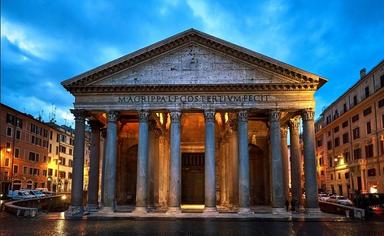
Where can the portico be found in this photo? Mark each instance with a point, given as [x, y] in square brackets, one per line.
[194, 118]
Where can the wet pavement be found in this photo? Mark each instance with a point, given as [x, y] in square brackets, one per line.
[50, 224]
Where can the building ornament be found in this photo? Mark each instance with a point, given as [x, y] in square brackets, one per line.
[274, 116]
[284, 132]
[294, 124]
[209, 115]
[242, 116]
[80, 114]
[308, 114]
[143, 116]
[175, 116]
[112, 116]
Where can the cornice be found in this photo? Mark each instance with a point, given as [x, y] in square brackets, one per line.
[193, 88]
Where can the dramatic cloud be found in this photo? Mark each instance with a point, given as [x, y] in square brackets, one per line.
[46, 42]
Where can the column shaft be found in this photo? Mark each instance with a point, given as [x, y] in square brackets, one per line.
[310, 160]
[278, 200]
[110, 162]
[175, 164]
[243, 161]
[284, 157]
[210, 173]
[78, 161]
[142, 162]
[295, 163]
[93, 180]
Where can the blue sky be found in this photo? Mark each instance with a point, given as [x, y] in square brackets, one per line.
[46, 42]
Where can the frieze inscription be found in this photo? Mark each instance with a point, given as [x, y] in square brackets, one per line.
[205, 99]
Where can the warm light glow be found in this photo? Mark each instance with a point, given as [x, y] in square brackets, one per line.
[192, 207]
[161, 117]
[8, 149]
[336, 159]
[373, 189]
[157, 114]
[63, 197]
[226, 117]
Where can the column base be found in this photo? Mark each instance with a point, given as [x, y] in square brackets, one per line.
[74, 212]
[244, 211]
[140, 210]
[92, 207]
[313, 210]
[173, 210]
[107, 210]
[279, 210]
[210, 211]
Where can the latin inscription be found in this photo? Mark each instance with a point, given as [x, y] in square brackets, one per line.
[142, 99]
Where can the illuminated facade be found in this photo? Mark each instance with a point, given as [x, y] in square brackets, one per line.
[194, 119]
[350, 138]
[24, 150]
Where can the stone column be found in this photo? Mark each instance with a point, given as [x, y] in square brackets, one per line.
[104, 136]
[93, 180]
[210, 174]
[153, 165]
[278, 201]
[243, 162]
[142, 164]
[294, 125]
[311, 200]
[175, 165]
[233, 160]
[109, 196]
[76, 209]
[284, 156]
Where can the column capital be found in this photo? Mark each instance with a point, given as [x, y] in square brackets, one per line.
[175, 116]
[143, 116]
[294, 123]
[209, 115]
[80, 114]
[112, 116]
[242, 116]
[284, 132]
[274, 116]
[308, 114]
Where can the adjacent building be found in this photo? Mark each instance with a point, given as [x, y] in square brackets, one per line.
[350, 138]
[24, 146]
[35, 154]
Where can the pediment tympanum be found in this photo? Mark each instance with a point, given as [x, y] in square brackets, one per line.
[193, 64]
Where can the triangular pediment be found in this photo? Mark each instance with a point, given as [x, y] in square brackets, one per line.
[193, 64]
[193, 58]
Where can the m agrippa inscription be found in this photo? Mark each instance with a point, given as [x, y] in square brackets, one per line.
[204, 99]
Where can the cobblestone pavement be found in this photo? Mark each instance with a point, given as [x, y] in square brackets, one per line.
[52, 225]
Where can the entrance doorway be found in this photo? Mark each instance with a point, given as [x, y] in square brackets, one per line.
[192, 178]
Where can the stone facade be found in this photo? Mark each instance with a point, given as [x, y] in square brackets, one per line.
[191, 119]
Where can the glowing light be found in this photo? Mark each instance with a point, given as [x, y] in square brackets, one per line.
[192, 206]
[373, 189]
[8, 149]
[161, 118]
[226, 117]
[63, 197]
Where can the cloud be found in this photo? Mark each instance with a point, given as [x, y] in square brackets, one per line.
[27, 39]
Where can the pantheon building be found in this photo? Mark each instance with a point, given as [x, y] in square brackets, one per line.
[194, 120]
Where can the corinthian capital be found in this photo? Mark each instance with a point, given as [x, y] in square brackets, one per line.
[209, 115]
[112, 116]
[80, 114]
[284, 132]
[308, 114]
[175, 116]
[242, 116]
[294, 123]
[274, 116]
[143, 116]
